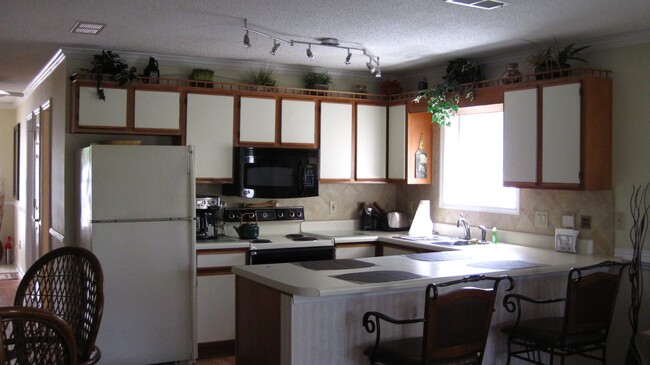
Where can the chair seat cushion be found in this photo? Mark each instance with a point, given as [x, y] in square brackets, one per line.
[548, 332]
[409, 351]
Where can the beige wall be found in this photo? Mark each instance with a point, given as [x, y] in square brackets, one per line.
[7, 122]
[631, 155]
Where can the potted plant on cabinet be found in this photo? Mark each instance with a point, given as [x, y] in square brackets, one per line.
[553, 61]
[110, 64]
[459, 80]
[264, 76]
[318, 80]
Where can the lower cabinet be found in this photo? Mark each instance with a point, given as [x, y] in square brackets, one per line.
[215, 322]
[355, 250]
[387, 249]
[216, 308]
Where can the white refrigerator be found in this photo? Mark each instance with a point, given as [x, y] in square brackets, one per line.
[137, 215]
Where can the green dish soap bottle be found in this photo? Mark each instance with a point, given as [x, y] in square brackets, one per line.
[494, 235]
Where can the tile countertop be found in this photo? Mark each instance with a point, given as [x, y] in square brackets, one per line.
[299, 281]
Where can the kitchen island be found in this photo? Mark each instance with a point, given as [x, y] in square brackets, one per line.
[299, 314]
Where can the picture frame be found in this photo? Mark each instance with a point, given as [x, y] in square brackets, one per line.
[566, 240]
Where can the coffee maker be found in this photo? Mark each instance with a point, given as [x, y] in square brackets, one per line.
[208, 217]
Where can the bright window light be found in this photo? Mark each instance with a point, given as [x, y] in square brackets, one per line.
[472, 163]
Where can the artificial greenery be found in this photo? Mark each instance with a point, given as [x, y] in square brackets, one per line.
[264, 76]
[555, 57]
[459, 80]
[109, 63]
[317, 78]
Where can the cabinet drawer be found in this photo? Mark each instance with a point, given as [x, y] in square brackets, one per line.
[204, 260]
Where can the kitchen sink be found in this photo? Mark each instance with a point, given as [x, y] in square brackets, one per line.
[437, 240]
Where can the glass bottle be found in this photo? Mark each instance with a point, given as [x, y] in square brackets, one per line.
[512, 74]
[420, 161]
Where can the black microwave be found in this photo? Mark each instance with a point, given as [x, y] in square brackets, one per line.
[262, 172]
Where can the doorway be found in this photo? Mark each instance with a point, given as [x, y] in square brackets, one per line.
[38, 180]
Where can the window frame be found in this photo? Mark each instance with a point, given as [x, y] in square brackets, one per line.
[489, 108]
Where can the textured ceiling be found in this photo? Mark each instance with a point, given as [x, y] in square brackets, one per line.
[406, 35]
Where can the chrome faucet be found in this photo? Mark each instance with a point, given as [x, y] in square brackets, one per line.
[465, 223]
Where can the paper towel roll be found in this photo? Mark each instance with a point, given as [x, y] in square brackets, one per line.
[422, 224]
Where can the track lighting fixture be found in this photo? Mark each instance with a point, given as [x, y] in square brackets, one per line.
[275, 47]
[371, 67]
[247, 40]
[324, 42]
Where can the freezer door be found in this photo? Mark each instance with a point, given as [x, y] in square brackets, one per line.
[136, 182]
[148, 280]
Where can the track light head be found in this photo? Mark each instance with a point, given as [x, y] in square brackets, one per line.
[247, 41]
[310, 55]
[276, 45]
[347, 58]
[370, 66]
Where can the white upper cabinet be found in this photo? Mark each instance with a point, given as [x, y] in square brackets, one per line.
[397, 142]
[257, 120]
[561, 134]
[520, 136]
[298, 121]
[157, 110]
[336, 141]
[210, 120]
[371, 142]
[558, 161]
[94, 112]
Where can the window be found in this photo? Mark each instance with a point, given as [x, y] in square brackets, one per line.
[472, 163]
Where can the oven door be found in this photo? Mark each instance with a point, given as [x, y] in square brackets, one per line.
[299, 254]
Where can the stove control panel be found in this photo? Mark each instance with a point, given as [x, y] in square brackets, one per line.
[265, 214]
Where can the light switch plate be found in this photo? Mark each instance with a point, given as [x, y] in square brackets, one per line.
[568, 221]
[619, 220]
[541, 219]
[333, 206]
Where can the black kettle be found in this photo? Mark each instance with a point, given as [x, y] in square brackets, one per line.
[151, 71]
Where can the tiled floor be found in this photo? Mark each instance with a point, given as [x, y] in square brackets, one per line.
[8, 291]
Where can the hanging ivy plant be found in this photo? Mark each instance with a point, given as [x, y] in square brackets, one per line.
[110, 64]
[459, 80]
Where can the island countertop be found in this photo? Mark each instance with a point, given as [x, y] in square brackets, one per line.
[296, 280]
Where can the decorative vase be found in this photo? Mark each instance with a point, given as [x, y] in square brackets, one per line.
[151, 71]
[512, 74]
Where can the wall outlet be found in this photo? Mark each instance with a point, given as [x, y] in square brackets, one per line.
[619, 220]
[333, 206]
[568, 221]
[541, 219]
[585, 222]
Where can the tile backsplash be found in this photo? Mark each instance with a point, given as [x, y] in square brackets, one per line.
[598, 205]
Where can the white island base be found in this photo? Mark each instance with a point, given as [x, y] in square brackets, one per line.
[278, 325]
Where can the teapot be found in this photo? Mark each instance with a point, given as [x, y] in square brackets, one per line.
[248, 230]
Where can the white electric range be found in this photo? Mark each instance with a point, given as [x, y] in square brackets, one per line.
[279, 239]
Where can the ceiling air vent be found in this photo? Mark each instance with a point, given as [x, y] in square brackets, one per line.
[87, 28]
[482, 4]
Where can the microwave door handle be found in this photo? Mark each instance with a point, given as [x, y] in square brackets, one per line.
[301, 178]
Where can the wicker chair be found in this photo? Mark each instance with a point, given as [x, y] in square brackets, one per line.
[68, 282]
[32, 336]
[456, 327]
[581, 330]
